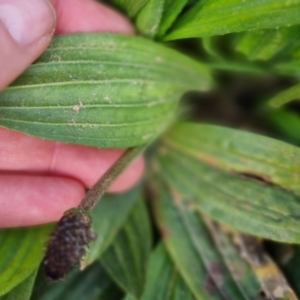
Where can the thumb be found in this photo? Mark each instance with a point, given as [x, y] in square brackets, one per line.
[26, 29]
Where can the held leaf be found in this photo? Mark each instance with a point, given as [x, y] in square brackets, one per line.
[104, 90]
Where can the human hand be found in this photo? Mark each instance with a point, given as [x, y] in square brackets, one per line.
[40, 179]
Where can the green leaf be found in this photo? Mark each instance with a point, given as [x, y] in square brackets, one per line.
[163, 279]
[171, 11]
[237, 67]
[237, 198]
[126, 259]
[240, 269]
[265, 44]
[21, 251]
[286, 121]
[149, 17]
[208, 43]
[183, 249]
[191, 248]
[131, 7]
[22, 291]
[99, 89]
[129, 297]
[290, 68]
[286, 96]
[215, 17]
[108, 217]
[90, 284]
[189, 243]
[245, 153]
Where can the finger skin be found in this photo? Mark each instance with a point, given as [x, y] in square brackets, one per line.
[29, 198]
[85, 164]
[15, 57]
[89, 16]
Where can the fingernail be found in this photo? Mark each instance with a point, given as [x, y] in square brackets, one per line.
[27, 21]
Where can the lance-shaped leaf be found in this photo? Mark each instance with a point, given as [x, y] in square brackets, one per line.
[191, 248]
[163, 280]
[286, 121]
[286, 96]
[108, 217]
[251, 273]
[90, 284]
[21, 251]
[126, 259]
[105, 90]
[22, 291]
[214, 17]
[172, 9]
[149, 17]
[267, 43]
[243, 202]
[131, 7]
[267, 159]
[240, 269]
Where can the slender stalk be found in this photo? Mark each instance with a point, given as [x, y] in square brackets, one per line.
[96, 192]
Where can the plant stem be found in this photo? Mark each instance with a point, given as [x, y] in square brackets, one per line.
[96, 192]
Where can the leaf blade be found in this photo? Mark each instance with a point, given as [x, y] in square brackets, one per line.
[172, 10]
[105, 90]
[181, 248]
[22, 291]
[240, 202]
[239, 151]
[131, 7]
[220, 17]
[127, 257]
[21, 252]
[90, 284]
[108, 217]
[181, 224]
[286, 96]
[163, 281]
[149, 18]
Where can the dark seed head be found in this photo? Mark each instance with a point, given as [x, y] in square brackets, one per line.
[67, 243]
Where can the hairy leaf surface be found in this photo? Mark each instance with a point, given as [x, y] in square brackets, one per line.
[105, 90]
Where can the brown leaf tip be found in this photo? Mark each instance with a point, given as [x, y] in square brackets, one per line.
[67, 244]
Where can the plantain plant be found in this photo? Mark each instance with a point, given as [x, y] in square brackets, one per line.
[210, 86]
